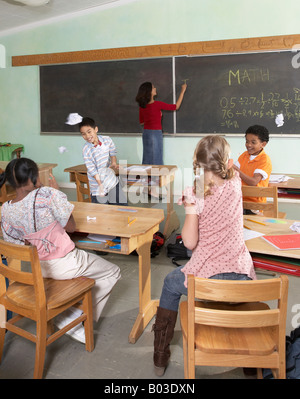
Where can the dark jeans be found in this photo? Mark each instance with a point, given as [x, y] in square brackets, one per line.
[174, 287]
[152, 147]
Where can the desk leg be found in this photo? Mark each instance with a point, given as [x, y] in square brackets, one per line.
[172, 222]
[147, 307]
[44, 176]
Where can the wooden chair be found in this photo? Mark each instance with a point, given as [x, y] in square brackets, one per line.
[269, 209]
[82, 187]
[238, 329]
[38, 299]
[6, 192]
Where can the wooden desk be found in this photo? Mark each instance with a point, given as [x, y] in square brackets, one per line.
[260, 246]
[291, 183]
[166, 176]
[291, 186]
[44, 170]
[113, 220]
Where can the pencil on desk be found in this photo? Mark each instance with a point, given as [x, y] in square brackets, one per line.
[255, 221]
[246, 227]
[129, 223]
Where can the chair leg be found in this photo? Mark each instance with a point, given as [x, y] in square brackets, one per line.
[2, 337]
[185, 363]
[40, 349]
[259, 374]
[87, 307]
[2, 329]
[281, 373]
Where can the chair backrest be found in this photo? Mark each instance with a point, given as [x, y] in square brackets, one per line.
[82, 187]
[271, 208]
[235, 291]
[6, 192]
[26, 253]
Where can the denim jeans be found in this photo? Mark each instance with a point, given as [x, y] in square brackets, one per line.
[174, 287]
[152, 147]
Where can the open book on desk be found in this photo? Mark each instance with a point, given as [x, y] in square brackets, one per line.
[284, 242]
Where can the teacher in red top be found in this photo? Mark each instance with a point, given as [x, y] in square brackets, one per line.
[150, 114]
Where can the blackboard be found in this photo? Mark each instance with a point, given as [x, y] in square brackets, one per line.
[226, 93]
[104, 91]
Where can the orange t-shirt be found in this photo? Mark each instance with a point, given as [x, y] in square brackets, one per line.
[260, 164]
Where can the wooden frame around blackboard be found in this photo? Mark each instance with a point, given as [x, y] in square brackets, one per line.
[245, 45]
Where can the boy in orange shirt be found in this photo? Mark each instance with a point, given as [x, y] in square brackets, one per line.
[254, 165]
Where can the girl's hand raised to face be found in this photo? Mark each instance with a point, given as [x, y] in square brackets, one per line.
[53, 182]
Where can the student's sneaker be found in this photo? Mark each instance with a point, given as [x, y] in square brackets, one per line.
[65, 318]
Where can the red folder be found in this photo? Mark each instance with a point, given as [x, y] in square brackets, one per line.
[284, 242]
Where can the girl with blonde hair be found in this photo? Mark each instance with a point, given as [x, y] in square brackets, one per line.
[213, 230]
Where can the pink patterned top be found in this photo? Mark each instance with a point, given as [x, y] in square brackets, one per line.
[36, 212]
[221, 247]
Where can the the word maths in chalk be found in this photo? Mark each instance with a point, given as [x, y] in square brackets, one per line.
[252, 75]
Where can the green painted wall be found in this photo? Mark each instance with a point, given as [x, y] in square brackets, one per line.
[135, 23]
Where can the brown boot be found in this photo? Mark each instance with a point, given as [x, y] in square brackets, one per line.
[163, 334]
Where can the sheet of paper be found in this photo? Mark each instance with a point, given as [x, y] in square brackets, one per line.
[74, 119]
[279, 178]
[100, 237]
[295, 227]
[279, 120]
[137, 168]
[249, 234]
[62, 149]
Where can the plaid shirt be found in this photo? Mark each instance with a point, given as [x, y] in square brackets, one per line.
[97, 160]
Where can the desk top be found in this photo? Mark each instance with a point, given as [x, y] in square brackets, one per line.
[41, 166]
[154, 170]
[272, 227]
[113, 219]
[291, 183]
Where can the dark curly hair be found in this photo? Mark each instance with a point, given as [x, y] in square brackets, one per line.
[260, 131]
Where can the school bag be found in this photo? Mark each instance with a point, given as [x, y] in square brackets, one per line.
[177, 251]
[157, 243]
[292, 345]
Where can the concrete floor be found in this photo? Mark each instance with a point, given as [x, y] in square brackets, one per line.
[114, 357]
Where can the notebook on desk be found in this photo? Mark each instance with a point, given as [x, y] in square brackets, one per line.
[284, 242]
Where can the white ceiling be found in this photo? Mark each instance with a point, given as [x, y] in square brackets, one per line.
[15, 16]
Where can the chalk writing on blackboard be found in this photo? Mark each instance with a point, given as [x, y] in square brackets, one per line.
[252, 75]
[265, 106]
